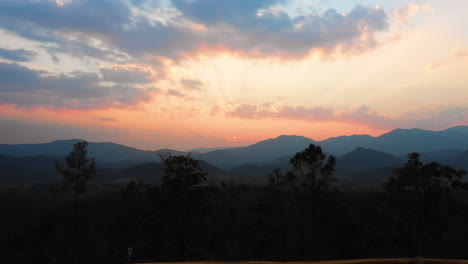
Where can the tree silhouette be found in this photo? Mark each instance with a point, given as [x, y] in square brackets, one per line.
[425, 188]
[78, 170]
[182, 174]
[314, 178]
[278, 188]
[313, 174]
[181, 185]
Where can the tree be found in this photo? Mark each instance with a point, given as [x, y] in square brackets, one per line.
[314, 177]
[424, 189]
[313, 174]
[78, 171]
[278, 188]
[182, 174]
[181, 185]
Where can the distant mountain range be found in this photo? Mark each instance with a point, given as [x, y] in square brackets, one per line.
[361, 158]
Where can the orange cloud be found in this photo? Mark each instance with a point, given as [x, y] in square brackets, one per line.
[429, 8]
[403, 14]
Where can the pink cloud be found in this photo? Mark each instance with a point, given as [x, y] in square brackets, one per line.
[362, 116]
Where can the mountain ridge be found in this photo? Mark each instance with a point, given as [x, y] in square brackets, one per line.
[398, 142]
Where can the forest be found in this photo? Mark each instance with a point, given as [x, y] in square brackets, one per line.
[301, 214]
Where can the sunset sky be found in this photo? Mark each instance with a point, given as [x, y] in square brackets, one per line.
[210, 73]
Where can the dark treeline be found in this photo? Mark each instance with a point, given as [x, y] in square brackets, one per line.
[299, 215]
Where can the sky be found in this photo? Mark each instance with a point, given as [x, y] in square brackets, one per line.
[184, 74]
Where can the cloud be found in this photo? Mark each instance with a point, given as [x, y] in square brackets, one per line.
[17, 54]
[191, 84]
[250, 111]
[429, 8]
[79, 16]
[175, 93]
[24, 87]
[120, 74]
[363, 116]
[401, 15]
[118, 30]
[105, 119]
[328, 32]
[243, 14]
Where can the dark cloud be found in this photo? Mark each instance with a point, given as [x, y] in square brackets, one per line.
[191, 84]
[121, 75]
[242, 25]
[29, 88]
[242, 14]
[261, 26]
[81, 15]
[17, 54]
[70, 26]
[175, 93]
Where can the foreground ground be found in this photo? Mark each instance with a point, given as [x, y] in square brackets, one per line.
[357, 261]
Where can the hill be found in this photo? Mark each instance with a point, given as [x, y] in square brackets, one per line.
[104, 152]
[362, 159]
[262, 151]
[401, 141]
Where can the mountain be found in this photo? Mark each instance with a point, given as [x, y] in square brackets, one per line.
[36, 171]
[344, 144]
[460, 161]
[397, 142]
[27, 171]
[258, 172]
[206, 150]
[152, 172]
[442, 156]
[365, 168]
[105, 152]
[262, 151]
[401, 141]
[362, 159]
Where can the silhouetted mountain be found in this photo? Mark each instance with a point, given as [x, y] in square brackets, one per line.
[27, 171]
[344, 144]
[442, 156]
[206, 150]
[368, 160]
[258, 172]
[105, 152]
[362, 159]
[402, 141]
[365, 168]
[40, 170]
[152, 172]
[262, 151]
[397, 142]
[460, 161]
